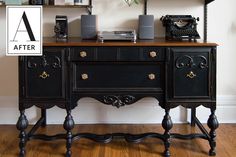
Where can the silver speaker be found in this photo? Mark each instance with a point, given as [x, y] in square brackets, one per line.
[88, 26]
[146, 27]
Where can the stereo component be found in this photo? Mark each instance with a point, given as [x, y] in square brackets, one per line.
[88, 26]
[123, 35]
[146, 27]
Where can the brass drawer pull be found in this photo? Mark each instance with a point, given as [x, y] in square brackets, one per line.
[84, 76]
[191, 75]
[153, 54]
[152, 76]
[83, 54]
[44, 75]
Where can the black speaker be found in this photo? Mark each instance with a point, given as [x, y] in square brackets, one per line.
[88, 26]
[146, 27]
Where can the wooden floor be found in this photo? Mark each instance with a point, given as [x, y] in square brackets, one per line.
[226, 143]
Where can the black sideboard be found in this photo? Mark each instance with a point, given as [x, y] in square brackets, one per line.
[119, 74]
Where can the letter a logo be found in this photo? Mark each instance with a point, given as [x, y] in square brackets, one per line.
[24, 30]
[28, 28]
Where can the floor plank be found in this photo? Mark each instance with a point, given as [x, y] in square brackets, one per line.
[226, 142]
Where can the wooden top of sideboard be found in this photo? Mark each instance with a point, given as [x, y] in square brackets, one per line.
[76, 41]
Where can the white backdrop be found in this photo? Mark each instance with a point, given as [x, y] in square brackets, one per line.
[116, 14]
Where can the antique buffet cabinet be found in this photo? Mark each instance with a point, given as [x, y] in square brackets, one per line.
[118, 74]
[181, 73]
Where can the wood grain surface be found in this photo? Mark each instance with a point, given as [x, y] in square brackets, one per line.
[76, 41]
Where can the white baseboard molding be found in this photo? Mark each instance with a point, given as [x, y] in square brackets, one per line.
[225, 110]
[90, 111]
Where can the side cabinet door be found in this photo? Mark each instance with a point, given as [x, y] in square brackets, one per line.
[190, 72]
[44, 75]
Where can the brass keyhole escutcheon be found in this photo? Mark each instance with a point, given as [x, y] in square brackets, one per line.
[83, 54]
[153, 54]
[152, 76]
[44, 75]
[191, 75]
[84, 76]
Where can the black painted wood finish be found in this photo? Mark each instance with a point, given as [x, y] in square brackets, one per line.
[119, 76]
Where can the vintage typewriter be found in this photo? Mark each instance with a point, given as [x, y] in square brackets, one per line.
[179, 27]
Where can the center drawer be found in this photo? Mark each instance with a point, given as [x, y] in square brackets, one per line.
[117, 75]
[125, 53]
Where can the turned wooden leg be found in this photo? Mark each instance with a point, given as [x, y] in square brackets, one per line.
[21, 125]
[167, 125]
[213, 124]
[44, 115]
[68, 126]
[193, 115]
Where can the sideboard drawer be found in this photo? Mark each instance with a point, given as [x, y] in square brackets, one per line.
[107, 53]
[119, 53]
[153, 54]
[125, 53]
[117, 75]
[82, 54]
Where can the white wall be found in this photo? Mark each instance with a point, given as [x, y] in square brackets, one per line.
[116, 14]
